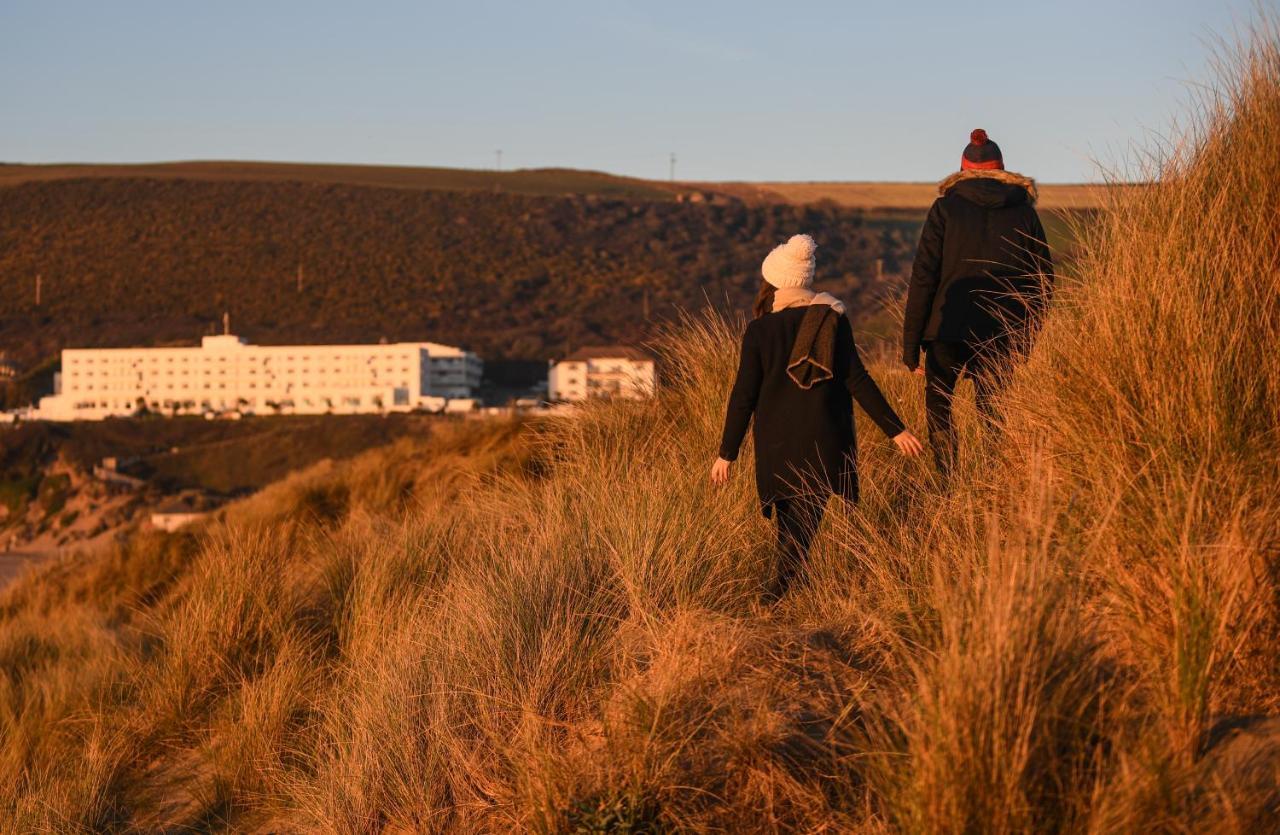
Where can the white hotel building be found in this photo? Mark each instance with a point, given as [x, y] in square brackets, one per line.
[609, 372]
[227, 374]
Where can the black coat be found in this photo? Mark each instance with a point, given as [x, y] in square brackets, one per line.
[804, 439]
[982, 271]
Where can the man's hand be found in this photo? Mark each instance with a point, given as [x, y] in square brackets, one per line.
[907, 443]
[720, 472]
[918, 371]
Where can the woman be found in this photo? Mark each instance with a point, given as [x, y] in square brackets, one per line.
[798, 375]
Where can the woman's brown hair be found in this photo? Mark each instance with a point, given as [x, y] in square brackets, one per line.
[764, 299]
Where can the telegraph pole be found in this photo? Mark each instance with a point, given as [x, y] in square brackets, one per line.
[497, 155]
[673, 167]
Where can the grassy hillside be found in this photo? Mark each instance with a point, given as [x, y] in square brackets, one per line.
[540, 182]
[914, 197]
[519, 265]
[127, 261]
[49, 500]
[223, 456]
[911, 197]
[556, 627]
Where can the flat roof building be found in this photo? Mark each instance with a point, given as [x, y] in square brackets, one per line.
[226, 374]
[181, 511]
[609, 371]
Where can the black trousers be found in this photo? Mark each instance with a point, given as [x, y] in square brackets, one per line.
[945, 363]
[797, 519]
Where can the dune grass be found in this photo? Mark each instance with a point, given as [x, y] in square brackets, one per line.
[556, 627]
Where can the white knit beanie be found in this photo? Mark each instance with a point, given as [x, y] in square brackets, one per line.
[790, 264]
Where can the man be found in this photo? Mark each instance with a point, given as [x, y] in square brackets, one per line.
[981, 279]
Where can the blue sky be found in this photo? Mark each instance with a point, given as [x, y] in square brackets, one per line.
[739, 90]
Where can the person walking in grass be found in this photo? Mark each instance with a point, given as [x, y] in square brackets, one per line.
[979, 285]
[798, 375]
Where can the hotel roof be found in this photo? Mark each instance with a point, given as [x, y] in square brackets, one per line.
[608, 352]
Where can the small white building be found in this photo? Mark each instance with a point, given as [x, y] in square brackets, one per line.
[226, 374]
[171, 517]
[182, 511]
[611, 371]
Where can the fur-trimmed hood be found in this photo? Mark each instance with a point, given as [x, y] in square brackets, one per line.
[1009, 178]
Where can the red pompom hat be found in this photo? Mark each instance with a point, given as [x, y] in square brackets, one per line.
[981, 153]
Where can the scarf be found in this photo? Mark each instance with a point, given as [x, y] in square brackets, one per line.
[785, 297]
[812, 358]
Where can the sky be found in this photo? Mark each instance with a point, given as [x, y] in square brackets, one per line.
[850, 90]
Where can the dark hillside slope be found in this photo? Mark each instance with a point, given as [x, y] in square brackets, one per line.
[137, 261]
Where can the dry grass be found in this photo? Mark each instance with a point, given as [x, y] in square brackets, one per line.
[550, 181]
[556, 628]
[909, 196]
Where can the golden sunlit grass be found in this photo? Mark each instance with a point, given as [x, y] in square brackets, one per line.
[911, 196]
[556, 627]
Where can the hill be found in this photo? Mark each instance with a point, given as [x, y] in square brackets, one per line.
[558, 627]
[914, 197]
[910, 196]
[50, 499]
[138, 261]
[541, 182]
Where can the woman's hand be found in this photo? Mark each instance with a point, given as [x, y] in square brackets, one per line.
[720, 471]
[907, 443]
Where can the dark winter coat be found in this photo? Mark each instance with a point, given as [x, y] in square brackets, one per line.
[982, 271]
[804, 438]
